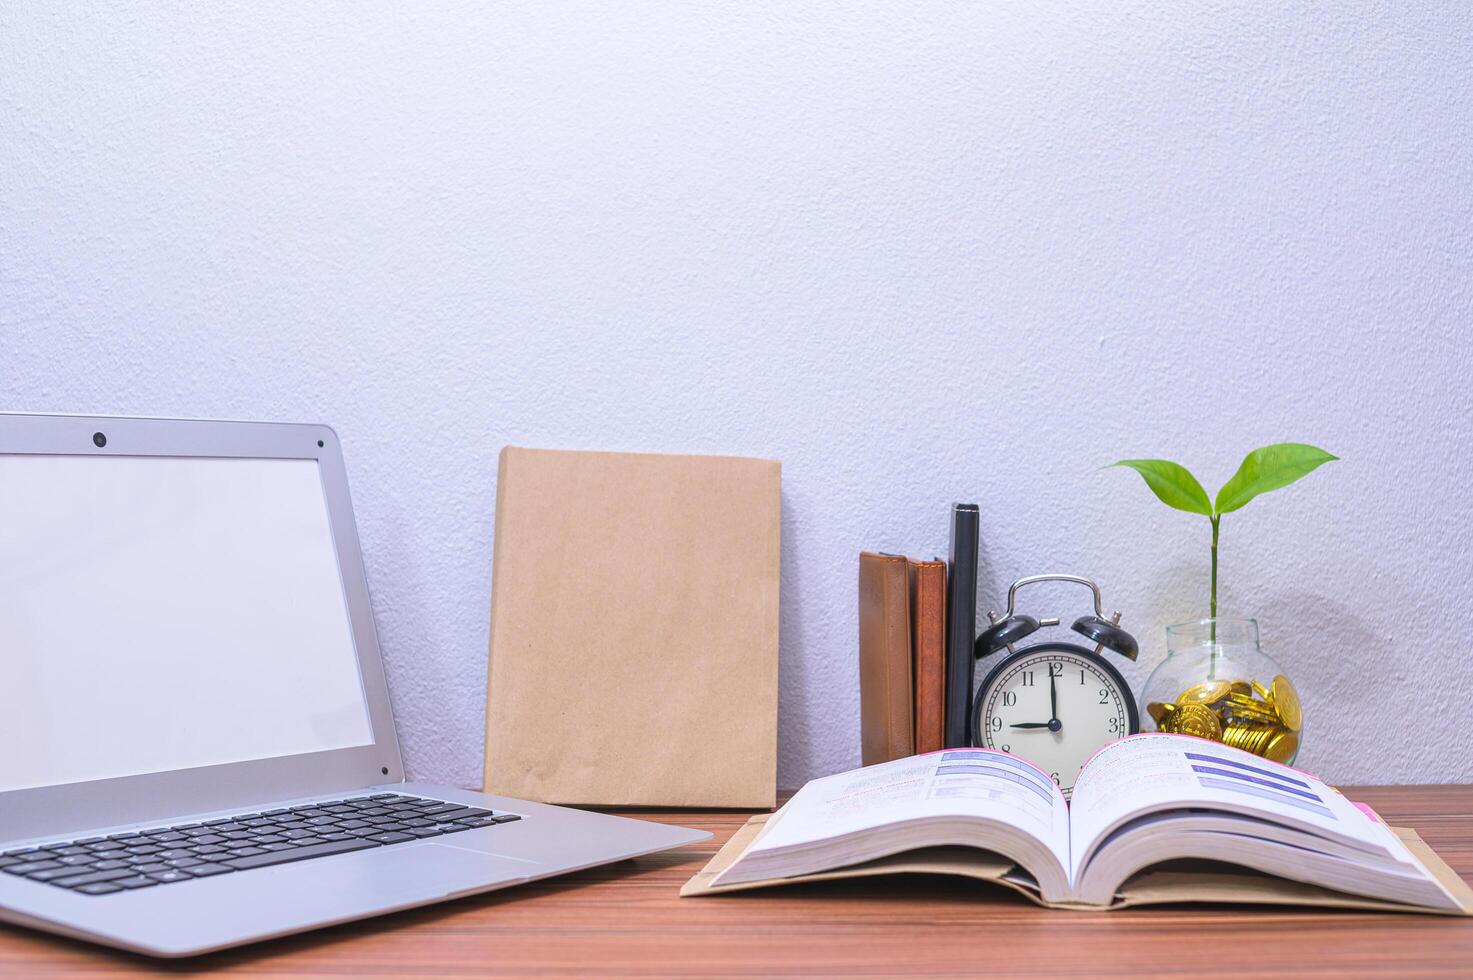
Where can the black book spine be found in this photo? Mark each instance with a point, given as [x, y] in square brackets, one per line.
[961, 623]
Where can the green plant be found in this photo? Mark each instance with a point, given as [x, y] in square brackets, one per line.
[1262, 470]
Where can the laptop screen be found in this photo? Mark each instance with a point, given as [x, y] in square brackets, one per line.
[163, 613]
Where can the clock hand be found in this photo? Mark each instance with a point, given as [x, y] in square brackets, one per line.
[1053, 700]
[1033, 724]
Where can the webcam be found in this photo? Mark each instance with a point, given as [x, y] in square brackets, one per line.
[99, 439]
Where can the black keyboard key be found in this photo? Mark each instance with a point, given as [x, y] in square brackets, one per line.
[283, 846]
[172, 853]
[505, 818]
[30, 867]
[143, 849]
[443, 808]
[112, 865]
[88, 840]
[185, 826]
[338, 836]
[165, 877]
[264, 839]
[71, 851]
[98, 888]
[325, 819]
[393, 838]
[77, 860]
[381, 796]
[208, 839]
[453, 828]
[307, 841]
[424, 831]
[273, 813]
[299, 854]
[6, 862]
[53, 874]
[149, 869]
[77, 881]
[296, 834]
[245, 852]
[184, 862]
[127, 836]
[111, 854]
[353, 824]
[168, 838]
[476, 821]
[216, 822]
[208, 870]
[137, 881]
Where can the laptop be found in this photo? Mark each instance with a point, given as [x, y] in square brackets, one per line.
[200, 750]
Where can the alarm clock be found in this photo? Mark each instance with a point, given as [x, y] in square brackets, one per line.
[1053, 703]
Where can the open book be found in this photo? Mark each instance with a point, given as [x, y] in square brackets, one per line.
[1153, 818]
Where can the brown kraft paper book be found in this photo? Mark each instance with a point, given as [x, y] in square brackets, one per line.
[928, 643]
[1163, 855]
[886, 705]
[634, 630]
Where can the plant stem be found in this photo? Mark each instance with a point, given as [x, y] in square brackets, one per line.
[1212, 603]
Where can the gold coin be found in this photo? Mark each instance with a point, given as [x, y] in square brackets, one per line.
[1160, 712]
[1205, 693]
[1198, 719]
[1282, 746]
[1262, 715]
[1258, 689]
[1286, 703]
[1241, 687]
[1249, 738]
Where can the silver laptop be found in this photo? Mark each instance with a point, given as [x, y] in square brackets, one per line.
[198, 745]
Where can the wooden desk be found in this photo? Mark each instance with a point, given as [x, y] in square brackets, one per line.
[627, 921]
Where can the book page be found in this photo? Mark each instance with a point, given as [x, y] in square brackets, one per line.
[951, 783]
[1146, 773]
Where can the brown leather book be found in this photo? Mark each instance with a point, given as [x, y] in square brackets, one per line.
[928, 645]
[885, 700]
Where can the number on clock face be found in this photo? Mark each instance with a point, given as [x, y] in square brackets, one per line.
[1055, 709]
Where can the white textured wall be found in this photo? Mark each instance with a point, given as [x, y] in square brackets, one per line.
[917, 252]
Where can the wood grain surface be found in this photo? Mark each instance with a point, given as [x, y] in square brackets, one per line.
[626, 921]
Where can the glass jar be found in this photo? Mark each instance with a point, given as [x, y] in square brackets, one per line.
[1217, 683]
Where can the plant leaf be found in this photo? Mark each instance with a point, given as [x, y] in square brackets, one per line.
[1268, 469]
[1172, 483]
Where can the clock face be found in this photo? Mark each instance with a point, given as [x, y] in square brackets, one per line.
[1054, 705]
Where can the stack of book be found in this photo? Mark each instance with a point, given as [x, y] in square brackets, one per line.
[917, 623]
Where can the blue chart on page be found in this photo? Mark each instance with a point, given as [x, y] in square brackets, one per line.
[980, 762]
[1239, 777]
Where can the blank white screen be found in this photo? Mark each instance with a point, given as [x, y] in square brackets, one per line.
[162, 613]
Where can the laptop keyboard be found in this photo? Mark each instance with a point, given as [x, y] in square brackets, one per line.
[141, 859]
